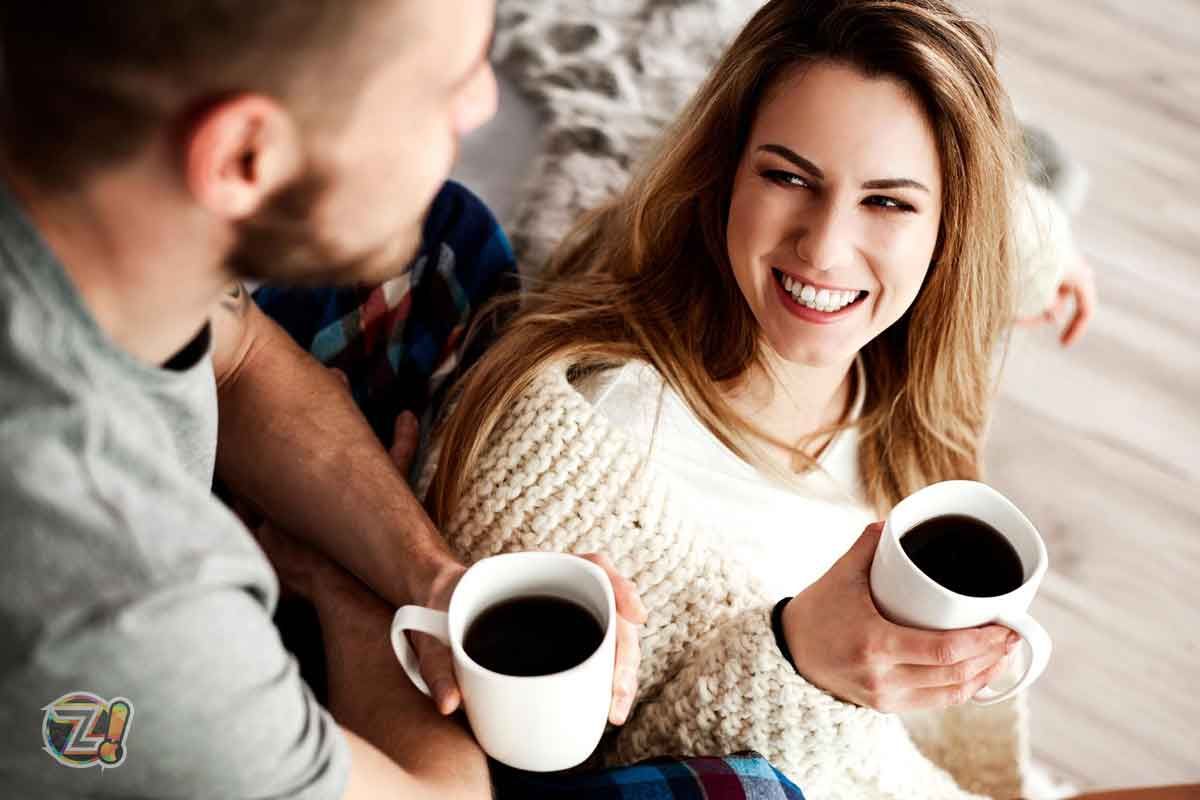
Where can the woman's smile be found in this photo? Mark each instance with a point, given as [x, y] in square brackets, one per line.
[815, 302]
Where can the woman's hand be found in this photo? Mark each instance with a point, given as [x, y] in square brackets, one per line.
[631, 615]
[1078, 287]
[437, 667]
[840, 643]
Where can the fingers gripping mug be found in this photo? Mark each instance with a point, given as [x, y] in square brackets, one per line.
[528, 720]
[964, 582]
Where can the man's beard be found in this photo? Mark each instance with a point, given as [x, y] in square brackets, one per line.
[281, 244]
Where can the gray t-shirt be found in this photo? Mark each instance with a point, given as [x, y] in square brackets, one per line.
[122, 576]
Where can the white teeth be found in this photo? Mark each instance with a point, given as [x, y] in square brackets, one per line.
[827, 300]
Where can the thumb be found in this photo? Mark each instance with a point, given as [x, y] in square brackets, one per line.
[861, 553]
[437, 668]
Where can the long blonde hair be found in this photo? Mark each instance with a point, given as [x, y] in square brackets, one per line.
[647, 276]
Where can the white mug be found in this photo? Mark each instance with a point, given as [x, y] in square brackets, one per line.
[907, 596]
[542, 723]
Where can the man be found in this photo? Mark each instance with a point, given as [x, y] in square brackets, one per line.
[151, 154]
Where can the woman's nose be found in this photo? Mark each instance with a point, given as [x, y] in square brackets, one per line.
[825, 241]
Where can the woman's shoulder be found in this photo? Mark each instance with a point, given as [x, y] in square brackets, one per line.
[628, 395]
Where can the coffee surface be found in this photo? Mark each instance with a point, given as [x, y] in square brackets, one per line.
[965, 555]
[533, 635]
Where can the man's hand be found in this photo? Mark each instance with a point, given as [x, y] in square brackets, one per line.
[840, 643]
[436, 664]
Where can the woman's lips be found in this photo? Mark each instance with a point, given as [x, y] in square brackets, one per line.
[816, 304]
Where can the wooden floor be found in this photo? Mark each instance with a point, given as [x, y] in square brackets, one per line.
[1099, 444]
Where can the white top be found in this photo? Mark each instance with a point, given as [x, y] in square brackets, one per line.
[787, 536]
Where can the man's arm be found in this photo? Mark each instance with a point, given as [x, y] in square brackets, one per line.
[292, 442]
[374, 775]
[400, 745]
[407, 748]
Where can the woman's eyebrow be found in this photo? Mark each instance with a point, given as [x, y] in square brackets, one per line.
[895, 183]
[794, 157]
[815, 171]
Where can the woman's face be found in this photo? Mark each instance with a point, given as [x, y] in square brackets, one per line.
[835, 211]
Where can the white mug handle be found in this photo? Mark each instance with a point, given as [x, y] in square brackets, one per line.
[425, 620]
[1039, 648]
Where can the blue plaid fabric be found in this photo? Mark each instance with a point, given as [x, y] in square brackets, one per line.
[401, 345]
[744, 776]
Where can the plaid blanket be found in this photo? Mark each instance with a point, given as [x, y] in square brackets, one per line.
[401, 344]
[743, 776]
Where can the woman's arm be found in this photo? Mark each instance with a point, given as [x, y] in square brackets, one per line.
[1052, 273]
[736, 691]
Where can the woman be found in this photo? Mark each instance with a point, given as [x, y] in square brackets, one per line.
[783, 326]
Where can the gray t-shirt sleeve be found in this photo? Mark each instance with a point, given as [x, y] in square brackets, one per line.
[219, 707]
[166, 604]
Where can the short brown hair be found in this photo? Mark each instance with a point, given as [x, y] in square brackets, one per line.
[86, 84]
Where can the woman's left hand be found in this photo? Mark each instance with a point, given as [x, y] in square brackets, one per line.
[1078, 284]
[435, 658]
[631, 615]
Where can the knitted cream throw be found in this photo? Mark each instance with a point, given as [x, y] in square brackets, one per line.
[556, 475]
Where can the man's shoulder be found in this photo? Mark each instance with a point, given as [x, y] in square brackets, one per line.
[84, 515]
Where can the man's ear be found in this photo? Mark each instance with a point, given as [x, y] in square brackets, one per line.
[238, 152]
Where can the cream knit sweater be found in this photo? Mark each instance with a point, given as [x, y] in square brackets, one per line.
[556, 475]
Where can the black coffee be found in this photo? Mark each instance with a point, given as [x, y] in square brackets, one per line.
[533, 635]
[965, 555]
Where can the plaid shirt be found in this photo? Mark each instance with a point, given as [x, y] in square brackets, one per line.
[401, 343]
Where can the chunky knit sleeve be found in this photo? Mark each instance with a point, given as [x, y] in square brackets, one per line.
[555, 475]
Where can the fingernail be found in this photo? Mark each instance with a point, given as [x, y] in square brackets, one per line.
[640, 609]
[408, 419]
[1011, 642]
[443, 695]
[620, 712]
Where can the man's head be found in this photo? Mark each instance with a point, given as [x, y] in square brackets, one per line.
[311, 135]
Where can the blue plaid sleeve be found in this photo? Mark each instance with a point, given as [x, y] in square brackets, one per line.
[743, 776]
[402, 343]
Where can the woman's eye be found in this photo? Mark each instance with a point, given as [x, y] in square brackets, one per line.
[785, 178]
[888, 202]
